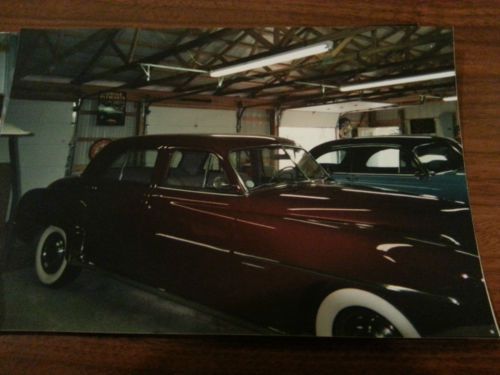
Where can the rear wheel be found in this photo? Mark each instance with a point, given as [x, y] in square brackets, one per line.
[51, 258]
[363, 322]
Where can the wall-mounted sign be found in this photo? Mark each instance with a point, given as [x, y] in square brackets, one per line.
[111, 109]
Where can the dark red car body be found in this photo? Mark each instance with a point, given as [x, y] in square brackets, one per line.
[272, 256]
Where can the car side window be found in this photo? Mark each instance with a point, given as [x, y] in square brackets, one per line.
[439, 157]
[135, 165]
[382, 160]
[195, 170]
[335, 161]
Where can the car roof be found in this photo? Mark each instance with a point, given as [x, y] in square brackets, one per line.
[406, 141]
[221, 143]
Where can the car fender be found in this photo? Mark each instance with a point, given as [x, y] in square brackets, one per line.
[40, 208]
[336, 301]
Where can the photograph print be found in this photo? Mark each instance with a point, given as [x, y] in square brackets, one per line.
[301, 181]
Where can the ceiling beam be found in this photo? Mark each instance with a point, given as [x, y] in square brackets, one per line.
[340, 59]
[133, 46]
[119, 52]
[344, 97]
[78, 47]
[157, 57]
[338, 77]
[260, 39]
[183, 77]
[97, 55]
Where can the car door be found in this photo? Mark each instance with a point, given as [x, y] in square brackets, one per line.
[444, 167]
[116, 199]
[189, 223]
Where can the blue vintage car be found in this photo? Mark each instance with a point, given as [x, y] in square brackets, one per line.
[422, 165]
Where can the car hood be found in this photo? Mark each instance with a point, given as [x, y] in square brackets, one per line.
[426, 217]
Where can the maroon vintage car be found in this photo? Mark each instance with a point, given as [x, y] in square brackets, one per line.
[251, 226]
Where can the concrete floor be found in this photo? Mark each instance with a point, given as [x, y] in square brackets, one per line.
[98, 303]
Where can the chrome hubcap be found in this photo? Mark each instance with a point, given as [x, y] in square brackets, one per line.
[53, 253]
[362, 322]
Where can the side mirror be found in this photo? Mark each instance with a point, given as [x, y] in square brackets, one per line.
[421, 174]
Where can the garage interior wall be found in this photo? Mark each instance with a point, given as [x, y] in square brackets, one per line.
[440, 111]
[168, 120]
[255, 122]
[443, 113]
[3, 64]
[42, 156]
[308, 129]
[88, 132]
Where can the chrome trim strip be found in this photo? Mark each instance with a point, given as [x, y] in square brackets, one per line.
[455, 209]
[256, 224]
[304, 196]
[255, 257]
[199, 192]
[253, 265]
[428, 197]
[195, 201]
[466, 253]
[201, 211]
[427, 242]
[313, 222]
[193, 242]
[330, 209]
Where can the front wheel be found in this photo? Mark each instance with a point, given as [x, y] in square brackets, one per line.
[360, 313]
[363, 322]
[51, 258]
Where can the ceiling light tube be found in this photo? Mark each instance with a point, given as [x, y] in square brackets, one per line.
[450, 98]
[297, 53]
[398, 81]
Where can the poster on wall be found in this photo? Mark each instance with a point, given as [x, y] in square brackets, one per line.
[111, 108]
[254, 234]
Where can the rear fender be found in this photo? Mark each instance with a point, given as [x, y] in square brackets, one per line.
[341, 299]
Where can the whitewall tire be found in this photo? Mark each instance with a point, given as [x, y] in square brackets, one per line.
[51, 258]
[360, 301]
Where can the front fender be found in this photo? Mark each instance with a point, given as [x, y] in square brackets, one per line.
[40, 208]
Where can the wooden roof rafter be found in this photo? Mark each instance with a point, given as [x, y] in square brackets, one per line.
[203, 39]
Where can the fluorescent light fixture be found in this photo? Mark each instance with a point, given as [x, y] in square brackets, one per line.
[297, 53]
[450, 98]
[398, 81]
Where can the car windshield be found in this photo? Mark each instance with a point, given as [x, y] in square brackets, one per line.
[265, 166]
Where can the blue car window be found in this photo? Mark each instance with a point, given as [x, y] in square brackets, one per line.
[335, 161]
[440, 157]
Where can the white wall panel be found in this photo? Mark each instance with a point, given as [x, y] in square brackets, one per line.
[308, 137]
[166, 120]
[308, 129]
[42, 156]
[302, 119]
